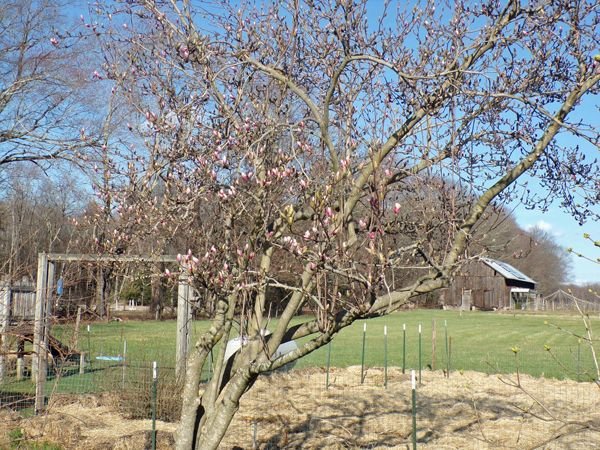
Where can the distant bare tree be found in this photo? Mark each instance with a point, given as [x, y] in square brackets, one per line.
[42, 87]
[36, 216]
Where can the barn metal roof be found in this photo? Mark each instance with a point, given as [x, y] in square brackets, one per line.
[507, 271]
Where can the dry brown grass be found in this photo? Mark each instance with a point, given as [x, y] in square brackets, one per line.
[293, 410]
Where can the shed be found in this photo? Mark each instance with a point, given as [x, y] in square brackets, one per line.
[489, 284]
[17, 300]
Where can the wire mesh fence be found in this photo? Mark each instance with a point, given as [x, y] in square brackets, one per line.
[520, 397]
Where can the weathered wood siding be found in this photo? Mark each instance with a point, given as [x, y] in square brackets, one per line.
[488, 288]
[21, 301]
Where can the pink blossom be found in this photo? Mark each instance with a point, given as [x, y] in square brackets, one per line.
[184, 52]
[396, 208]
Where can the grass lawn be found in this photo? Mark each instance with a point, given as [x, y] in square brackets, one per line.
[480, 341]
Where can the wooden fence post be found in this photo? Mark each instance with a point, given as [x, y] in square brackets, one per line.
[5, 298]
[39, 368]
[184, 320]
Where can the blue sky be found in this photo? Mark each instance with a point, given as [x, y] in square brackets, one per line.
[567, 233]
[559, 224]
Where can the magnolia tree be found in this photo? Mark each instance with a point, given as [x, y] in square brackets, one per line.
[341, 152]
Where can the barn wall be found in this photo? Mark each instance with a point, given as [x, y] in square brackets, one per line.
[488, 288]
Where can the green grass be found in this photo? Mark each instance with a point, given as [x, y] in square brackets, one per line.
[479, 341]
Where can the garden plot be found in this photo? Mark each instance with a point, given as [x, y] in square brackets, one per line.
[469, 410]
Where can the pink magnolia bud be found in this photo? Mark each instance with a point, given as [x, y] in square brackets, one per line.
[184, 52]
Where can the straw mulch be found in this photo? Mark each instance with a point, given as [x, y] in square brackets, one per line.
[293, 410]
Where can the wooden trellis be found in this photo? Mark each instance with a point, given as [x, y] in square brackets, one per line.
[43, 306]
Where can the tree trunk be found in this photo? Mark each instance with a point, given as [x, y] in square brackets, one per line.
[217, 422]
[158, 293]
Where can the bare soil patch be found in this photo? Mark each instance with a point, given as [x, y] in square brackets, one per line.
[294, 410]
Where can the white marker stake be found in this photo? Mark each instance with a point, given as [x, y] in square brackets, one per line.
[414, 409]
[88, 328]
[420, 354]
[154, 387]
[365, 327]
[403, 327]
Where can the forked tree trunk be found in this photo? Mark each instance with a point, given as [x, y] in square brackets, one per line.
[217, 421]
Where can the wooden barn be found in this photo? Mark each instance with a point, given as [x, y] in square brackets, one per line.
[489, 284]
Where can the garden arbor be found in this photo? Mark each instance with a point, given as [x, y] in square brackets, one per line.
[43, 310]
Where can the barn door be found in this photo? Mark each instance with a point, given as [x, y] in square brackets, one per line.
[466, 299]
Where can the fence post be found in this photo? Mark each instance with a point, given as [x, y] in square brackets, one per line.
[414, 409]
[184, 318]
[433, 337]
[385, 359]
[328, 364]
[5, 297]
[403, 348]
[362, 358]
[447, 349]
[124, 361]
[420, 354]
[38, 362]
[154, 389]
[77, 325]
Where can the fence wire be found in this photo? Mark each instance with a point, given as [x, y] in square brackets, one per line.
[517, 399]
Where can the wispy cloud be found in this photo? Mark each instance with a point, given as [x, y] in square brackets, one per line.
[544, 226]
